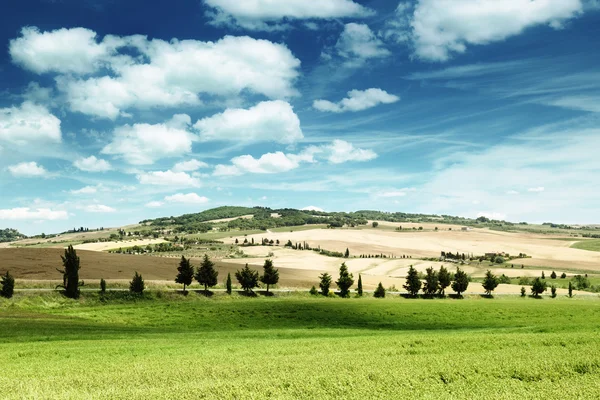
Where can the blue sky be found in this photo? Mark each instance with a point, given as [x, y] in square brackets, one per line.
[112, 112]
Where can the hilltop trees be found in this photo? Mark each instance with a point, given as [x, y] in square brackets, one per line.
[8, 285]
[444, 279]
[325, 283]
[431, 286]
[413, 283]
[490, 282]
[206, 274]
[185, 273]
[137, 284]
[248, 278]
[345, 281]
[270, 275]
[70, 273]
[461, 281]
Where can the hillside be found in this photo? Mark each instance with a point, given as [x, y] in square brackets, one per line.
[10, 235]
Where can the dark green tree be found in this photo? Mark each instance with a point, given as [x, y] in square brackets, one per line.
[538, 286]
[490, 282]
[70, 273]
[553, 275]
[431, 285]
[228, 283]
[247, 278]
[347, 253]
[206, 274]
[563, 275]
[8, 285]
[345, 281]
[102, 286]
[359, 290]
[137, 284]
[445, 279]
[185, 273]
[413, 283]
[375, 224]
[553, 291]
[461, 281]
[570, 289]
[270, 275]
[380, 291]
[313, 291]
[543, 275]
[523, 291]
[325, 283]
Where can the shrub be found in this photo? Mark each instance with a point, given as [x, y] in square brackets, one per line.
[563, 275]
[313, 291]
[553, 275]
[380, 291]
[499, 260]
[375, 224]
[524, 281]
[580, 282]
[102, 286]
[8, 285]
[137, 284]
[543, 275]
[523, 291]
[504, 279]
[553, 291]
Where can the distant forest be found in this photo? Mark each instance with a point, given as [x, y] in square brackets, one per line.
[9, 235]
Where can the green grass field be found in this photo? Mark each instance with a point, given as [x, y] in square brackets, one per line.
[170, 346]
[590, 244]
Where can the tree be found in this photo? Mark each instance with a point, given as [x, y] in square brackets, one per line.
[102, 286]
[543, 275]
[186, 273]
[432, 283]
[461, 281]
[347, 253]
[444, 278]
[553, 275]
[248, 278]
[413, 283]
[137, 284]
[563, 275]
[570, 289]
[490, 282]
[580, 282]
[375, 224]
[325, 283]
[70, 273]
[313, 291]
[206, 274]
[553, 291]
[538, 287]
[380, 291]
[228, 283]
[345, 281]
[270, 275]
[8, 285]
[359, 290]
[523, 291]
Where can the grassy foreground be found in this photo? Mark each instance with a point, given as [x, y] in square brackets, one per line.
[191, 347]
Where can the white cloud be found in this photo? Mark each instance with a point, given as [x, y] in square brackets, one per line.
[357, 100]
[85, 190]
[269, 163]
[92, 164]
[392, 193]
[264, 14]
[189, 198]
[29, 123]
[142, 144]
[577, 102]
[340, 151]
[155, 204]
[538, 189]
[98, 208]
[267, 121]
[27, 170]
[512, 192]
[27, 213]
[189, 166]
[358, 43]
[168, 178]
[441, 28]
[311, 208]
[226, 170]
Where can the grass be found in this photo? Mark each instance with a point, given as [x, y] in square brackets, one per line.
[590, 245]
[297, 347]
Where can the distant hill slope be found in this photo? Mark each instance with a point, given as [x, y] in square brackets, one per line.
[9, 235]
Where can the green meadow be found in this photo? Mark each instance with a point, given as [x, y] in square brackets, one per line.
[165, 345]
[591, 245]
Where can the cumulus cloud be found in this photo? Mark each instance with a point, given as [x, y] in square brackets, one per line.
[28, 123]
[154, 204]
[168, 178]
[27, 170]
[357, 100]
[189, 198]
[38, 214]
[439, 29]
[92, 164]
[85, 190]
[358, 43]
[265, 14]
[165, 74]
[269, 163]
[340, 151]
[267, 121]
[142, 144]
[98, 208]
[189, 166]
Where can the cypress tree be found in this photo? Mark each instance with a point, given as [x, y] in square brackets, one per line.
[228, 283]
[360, 288]
[461, 281]
[379, 292]
[570, 289]
[8, 285]
[413, 283]
[137, 284]
[270, 275]
[247, 278]
[325, 283]
[206, 274]
[553, 291]
[186, 273]
[538, 287]
[431, 286]
[490, 282]
[444, 278]
[70, 273]
[345, 281]
[347, 253]
[102, 286]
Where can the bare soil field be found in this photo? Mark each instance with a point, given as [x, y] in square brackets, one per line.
[103, 246]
